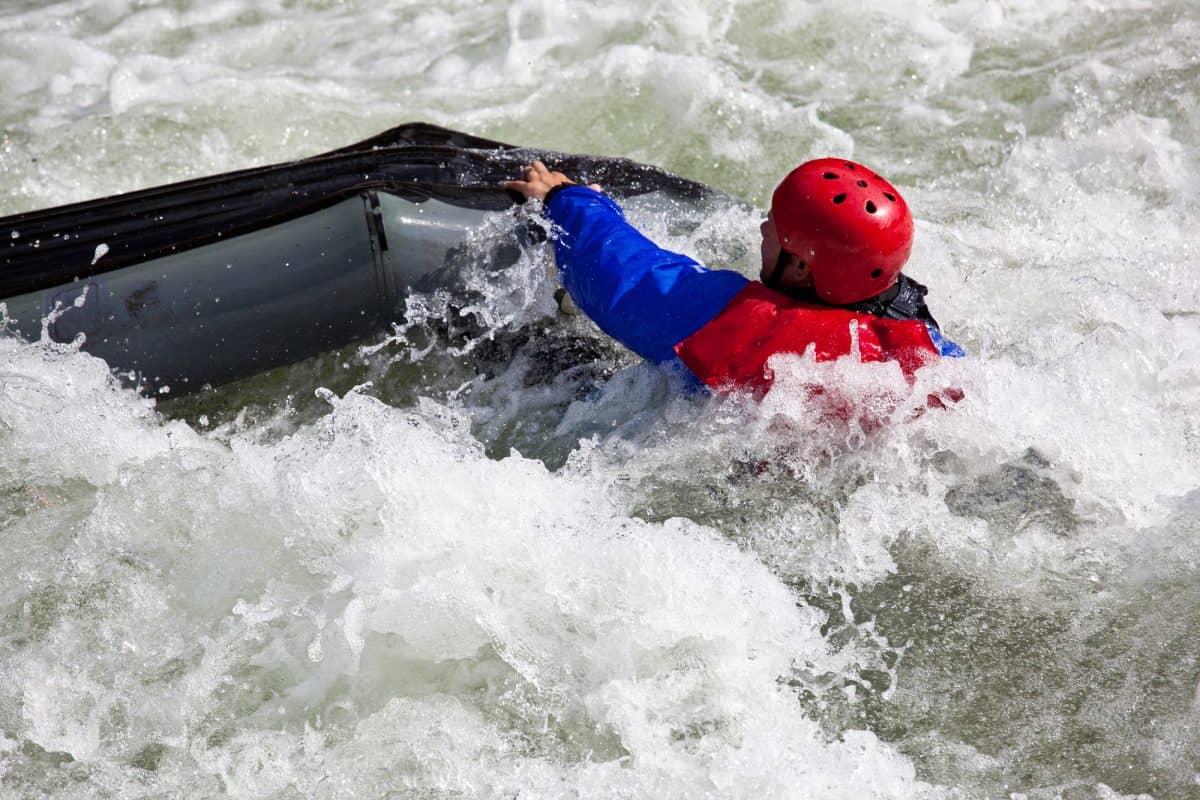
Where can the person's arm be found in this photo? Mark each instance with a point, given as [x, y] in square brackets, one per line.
[645, 297]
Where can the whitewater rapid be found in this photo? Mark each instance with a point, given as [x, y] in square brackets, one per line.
[490, 555]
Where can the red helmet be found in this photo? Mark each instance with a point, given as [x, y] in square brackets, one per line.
[849, 225]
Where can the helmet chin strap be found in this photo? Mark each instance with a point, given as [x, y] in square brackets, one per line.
[775, 277]
[772, 280]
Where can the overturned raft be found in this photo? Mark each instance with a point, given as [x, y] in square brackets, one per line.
[206, 281]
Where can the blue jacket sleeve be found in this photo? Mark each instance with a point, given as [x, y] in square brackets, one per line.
[645, 297]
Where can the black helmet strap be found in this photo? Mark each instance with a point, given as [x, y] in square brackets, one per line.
[905, 299]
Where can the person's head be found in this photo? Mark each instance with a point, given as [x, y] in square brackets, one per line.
[837, 228]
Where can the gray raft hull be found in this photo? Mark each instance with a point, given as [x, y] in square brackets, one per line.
[275, 296]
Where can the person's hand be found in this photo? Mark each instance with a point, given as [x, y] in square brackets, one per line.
[538, 180]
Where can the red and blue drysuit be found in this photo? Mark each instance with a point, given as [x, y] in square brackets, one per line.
[722, 326]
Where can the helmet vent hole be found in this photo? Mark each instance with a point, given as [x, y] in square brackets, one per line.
[862, 183]
[870, 207]
[849, 165]
[890, 196]
[839, 199]
[875, 273]
[829, 176]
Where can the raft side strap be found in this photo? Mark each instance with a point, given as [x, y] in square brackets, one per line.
[385, 281]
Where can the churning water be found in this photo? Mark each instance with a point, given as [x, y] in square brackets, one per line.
[489, 555]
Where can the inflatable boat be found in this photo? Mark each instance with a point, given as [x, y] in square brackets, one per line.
[206, 281]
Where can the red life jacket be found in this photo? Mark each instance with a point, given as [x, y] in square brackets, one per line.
[732, 349]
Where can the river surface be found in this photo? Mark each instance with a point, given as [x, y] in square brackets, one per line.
[488, 554]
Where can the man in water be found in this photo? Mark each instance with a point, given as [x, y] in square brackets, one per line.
[833, 245]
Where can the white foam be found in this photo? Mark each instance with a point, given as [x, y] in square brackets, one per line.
[411, 565]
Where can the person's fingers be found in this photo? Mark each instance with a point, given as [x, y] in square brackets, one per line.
[535, 173]
[537, 179]
[548, 175]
